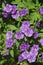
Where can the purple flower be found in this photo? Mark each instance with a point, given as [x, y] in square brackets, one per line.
[25, 54]
[29, 32]
[26, 23]
[5, 14]
[19, 35]
[41, 41]
[5, 52]
[9, 35]
[8, 8]
[31, 58]
[14, 9]
[24, 46]
[35, 47]
[33, 30]
[20, 58]
[41, 10]
[33, 52]
[23, 12]
[23, 28]
[15, 15]
[36, 35]
[9, 43]
[39, 24]
[41, 58]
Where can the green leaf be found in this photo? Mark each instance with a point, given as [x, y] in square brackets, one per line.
[19, 19]
[25, 39]
[3, 5]
[21, 4]
[35, 16]
[13, 2]
[2, 61]
[17, 44]
[24, 63]
[37, 3]
[40, 34]
[0, 25]
[4, 52]
[11, 27]
[29, 4]
[16, 2]
[0, 47]
[41, 30]
[12, 53]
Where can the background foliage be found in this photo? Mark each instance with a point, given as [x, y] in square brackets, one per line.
[10, 24]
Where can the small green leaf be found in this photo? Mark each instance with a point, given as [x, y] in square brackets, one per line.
[19, 19]
[40, 34]
[17, 44]
[37, 3]
[0, 25]
[3, 5]
[29, 4]
[12, 53]
[15, 2]
[41, 30]
[2, 61]
[25, 39]
[34, 17]
[24, 63]
[11, 27]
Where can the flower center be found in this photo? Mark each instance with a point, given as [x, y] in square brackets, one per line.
[9, 43]
[28, 32]
[19, 35]
[9, 35]
[13, 8]
[8, 8]
[31, 58]
[23, 46]
[23, 12]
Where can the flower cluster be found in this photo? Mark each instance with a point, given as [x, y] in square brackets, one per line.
[33, 53]
[26, 31]
[23, 56]
[13, 10]
[30, 56]
[9, 41]
[25, 28]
